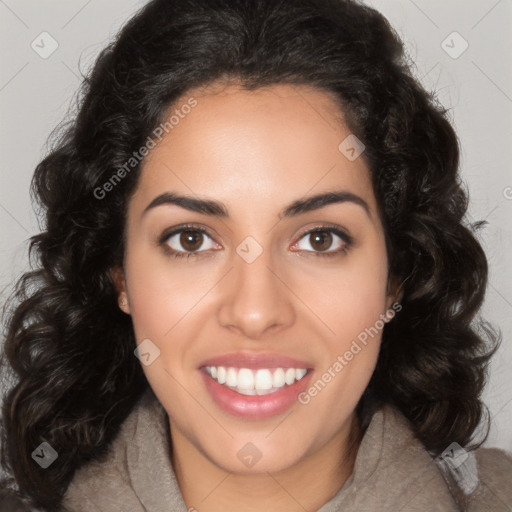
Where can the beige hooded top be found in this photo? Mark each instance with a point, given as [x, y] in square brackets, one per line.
[392, 472]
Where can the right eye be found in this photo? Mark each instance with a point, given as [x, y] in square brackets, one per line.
[186, 241]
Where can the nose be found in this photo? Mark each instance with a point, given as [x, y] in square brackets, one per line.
[255, 298]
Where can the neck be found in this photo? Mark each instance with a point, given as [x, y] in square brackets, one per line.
[307, 485]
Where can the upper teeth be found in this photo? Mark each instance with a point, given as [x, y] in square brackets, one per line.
[255, 382]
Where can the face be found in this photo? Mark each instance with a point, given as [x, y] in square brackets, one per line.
[259, 279]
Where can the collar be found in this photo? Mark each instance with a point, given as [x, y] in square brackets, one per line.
[392, 470]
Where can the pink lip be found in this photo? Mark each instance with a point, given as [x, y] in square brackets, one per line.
[257, 406]
[255, 360]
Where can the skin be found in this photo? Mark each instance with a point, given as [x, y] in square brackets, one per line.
[256, 152]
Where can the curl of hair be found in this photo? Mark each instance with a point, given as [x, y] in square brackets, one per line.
[70, 348]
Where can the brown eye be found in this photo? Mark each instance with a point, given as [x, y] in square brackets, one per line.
[187, 240]
[191, 240]
[320, 240]
[329, 241]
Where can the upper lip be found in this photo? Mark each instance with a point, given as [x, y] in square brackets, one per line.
[255, 360]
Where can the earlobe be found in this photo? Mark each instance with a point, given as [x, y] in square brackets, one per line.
[117, 274]
[123, 304]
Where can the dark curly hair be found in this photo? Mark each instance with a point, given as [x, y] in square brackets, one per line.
[68, 346]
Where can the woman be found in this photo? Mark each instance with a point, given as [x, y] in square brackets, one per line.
[256, 288]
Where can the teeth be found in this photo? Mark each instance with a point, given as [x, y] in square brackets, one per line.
[255, 382]
[221, 374]
[278, 380]
[263, 380]
[290, 376]
[231, 378]
[299, 373]
[245, 379]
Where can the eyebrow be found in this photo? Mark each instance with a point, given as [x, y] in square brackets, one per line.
[298, 207]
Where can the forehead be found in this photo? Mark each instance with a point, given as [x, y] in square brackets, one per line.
[276, 143]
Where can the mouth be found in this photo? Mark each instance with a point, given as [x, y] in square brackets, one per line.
[255, 386]
[247, 381]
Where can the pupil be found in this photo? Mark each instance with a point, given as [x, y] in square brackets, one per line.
[191, 240]
[318, 238]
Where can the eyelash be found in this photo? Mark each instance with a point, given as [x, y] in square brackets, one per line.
[347, 239]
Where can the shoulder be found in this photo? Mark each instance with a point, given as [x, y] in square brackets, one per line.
[495, 464]
[104, 483]
[477, 480]
[393, 471]
[494, 490]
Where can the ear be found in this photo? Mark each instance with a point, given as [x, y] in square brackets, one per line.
[117, 274]
[394, 291]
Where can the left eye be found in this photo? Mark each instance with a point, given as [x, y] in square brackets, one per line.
[320, 240]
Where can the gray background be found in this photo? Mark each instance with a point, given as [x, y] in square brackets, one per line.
[476, 86]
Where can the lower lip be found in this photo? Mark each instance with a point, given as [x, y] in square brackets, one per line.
[257, 406]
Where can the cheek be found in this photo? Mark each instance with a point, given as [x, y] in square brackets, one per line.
[162, 292]
[350, 296]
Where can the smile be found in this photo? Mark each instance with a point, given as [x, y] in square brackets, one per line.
[255, 393]
[255, 382]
